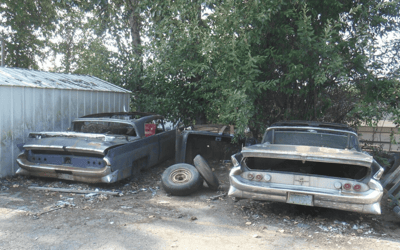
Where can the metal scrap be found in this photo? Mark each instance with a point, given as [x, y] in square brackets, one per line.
[67, 190]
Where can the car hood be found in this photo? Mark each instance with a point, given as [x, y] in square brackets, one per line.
[74, 142]
[308, 153]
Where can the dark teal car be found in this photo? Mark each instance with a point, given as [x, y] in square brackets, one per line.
[99, 148]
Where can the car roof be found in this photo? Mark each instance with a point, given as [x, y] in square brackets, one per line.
[313, 124]
[132, 115]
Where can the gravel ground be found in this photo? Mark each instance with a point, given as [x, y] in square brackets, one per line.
[143, 216]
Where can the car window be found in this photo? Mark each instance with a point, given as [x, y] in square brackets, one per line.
[310, 137]
[153, 127]
[101, 127]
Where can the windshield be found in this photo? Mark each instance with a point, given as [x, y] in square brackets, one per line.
[312, 137]
[101, 127]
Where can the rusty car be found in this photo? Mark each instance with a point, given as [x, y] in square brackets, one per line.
[309, 163]
[99, 148]
[212, 141]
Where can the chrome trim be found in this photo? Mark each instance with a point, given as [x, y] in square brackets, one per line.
[367, 197]
[63, 172]
[314, 128]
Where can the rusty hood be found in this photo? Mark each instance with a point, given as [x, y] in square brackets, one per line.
[74, 142]
[308, 153]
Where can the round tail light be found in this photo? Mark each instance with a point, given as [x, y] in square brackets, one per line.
[347, 186]
[250, 176]
[259, 177]
[357, 187]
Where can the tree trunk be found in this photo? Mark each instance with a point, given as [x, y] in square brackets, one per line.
[135, 26]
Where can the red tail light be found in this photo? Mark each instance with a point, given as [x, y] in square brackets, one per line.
[250, 176]
[347, 186]
[259, 177]
[357, 187]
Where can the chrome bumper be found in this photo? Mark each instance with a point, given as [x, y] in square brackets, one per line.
[103, 175]
[368, 202]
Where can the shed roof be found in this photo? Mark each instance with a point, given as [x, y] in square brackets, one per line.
[42, 79]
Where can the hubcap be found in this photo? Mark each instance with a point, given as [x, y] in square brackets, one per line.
[180, 176]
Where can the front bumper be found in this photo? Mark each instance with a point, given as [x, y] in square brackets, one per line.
[102, 175]
[368, 202]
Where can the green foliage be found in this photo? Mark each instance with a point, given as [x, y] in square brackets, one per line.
[26, 27]
[246, 63]
[251, 63]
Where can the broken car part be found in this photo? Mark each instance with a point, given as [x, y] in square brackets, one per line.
[208, 140]
[181, 179]
[204, 169]
[309, 163]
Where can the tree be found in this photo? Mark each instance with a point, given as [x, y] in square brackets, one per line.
[26, 26]
[251, 63]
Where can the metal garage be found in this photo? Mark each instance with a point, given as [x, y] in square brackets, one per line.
[43, 101]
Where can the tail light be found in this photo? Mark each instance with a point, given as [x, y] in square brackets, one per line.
[259, 177]
[357, 187]
[250, 176]
[347, 186]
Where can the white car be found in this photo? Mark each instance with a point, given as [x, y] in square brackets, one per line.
[309, 163]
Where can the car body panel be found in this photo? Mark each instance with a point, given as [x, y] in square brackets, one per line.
[211, 141]
[308, 153]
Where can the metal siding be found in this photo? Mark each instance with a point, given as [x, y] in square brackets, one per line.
[100, 102]
[73, 105]
[6, 131]
[65, 113]
[80, 102]
[18, 123]
[57, 110]
[111, 103]
[88, 102]
[48, 109]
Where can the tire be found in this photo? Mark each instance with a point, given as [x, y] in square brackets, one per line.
[181, 179]
[206, 172]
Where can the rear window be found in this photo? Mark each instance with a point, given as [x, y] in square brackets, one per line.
[100, 127]
[311, 137]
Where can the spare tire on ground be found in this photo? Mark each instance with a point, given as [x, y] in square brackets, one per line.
[181, 179]
[206, 172]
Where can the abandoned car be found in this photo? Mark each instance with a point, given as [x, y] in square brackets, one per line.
[105, 147]
[309, 163]
[212, 141]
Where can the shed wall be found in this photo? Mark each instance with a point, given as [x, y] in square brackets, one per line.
[25, 109]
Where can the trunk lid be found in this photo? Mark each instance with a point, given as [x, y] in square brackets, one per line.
[308, 153]
[74, 142]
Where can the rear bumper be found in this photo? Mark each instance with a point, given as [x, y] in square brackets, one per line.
[368, 202]
[102, 175]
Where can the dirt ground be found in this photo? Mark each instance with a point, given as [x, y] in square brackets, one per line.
[145, 217]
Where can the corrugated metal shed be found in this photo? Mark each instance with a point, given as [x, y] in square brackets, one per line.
[43, 101]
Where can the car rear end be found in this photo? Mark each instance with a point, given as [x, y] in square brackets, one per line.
[341, 178]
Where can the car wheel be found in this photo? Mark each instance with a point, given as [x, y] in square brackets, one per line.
[206, 172]
[181, 179]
